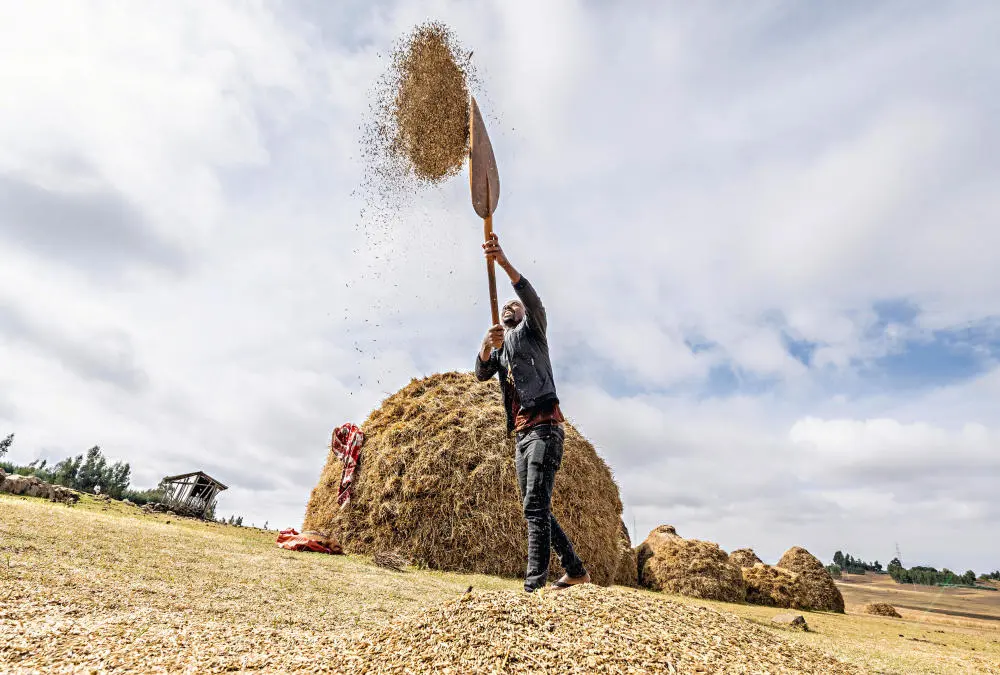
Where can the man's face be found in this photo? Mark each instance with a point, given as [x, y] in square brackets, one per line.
[512, 314]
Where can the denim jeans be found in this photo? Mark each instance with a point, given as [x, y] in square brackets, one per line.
[538, 455]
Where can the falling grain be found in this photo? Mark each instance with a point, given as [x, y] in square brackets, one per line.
[431, 106]
[417, 131]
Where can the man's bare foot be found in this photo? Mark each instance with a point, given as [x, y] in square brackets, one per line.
[566, 581]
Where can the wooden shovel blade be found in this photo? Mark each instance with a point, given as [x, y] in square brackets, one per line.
[484, 179]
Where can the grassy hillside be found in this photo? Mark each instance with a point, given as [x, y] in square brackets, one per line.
[101, 584]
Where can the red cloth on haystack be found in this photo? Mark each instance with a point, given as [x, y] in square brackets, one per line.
[346, 445]
[308, 541]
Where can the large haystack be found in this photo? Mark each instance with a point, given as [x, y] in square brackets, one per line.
[774, 587]
[744, 557]
[821, 593]
[437, 484]
[700, 569]
[628, 567]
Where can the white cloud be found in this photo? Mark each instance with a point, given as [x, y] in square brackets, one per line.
[182, 280]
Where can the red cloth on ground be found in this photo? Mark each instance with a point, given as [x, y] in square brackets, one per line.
[307, 541]
[346, 445]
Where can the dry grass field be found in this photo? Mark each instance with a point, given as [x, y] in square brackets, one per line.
[920, 642]
[101, 587]
[916, 602]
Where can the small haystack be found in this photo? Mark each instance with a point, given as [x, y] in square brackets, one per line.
[700, 569]
[390, 560]
[744, 557]
[437, 484]
[881, 609]
[820, 591]
[628, 567]
[644, 551]
[774, 587]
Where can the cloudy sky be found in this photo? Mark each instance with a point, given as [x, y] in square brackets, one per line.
[766, 234]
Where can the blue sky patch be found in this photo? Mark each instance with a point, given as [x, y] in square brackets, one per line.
[940, 358]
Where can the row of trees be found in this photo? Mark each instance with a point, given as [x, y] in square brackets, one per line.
[851, 565]
[88, 472]
[92, 472]
[929, 576]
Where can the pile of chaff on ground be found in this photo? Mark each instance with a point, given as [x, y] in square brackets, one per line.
[585, 629]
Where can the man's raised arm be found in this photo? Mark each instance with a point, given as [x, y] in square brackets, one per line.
[534, 312]
[533, 309]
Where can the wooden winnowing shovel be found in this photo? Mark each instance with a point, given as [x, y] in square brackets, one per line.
[485, 183]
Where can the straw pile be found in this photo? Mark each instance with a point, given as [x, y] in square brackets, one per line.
[699, 569]
[584, 629]
[628, 567]
[744, 557]
[774, 587]
[437, 484]
[820, 591]
[881, 609]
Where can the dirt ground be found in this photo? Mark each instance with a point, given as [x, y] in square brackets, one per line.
[101, 587]
[913, 602]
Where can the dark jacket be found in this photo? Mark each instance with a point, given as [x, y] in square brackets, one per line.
[525, 355]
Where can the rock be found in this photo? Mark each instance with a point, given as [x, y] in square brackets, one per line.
[796, 621]
[128, 502]
[64, 494]
[32, 486]
[16, 484]
[38, 489]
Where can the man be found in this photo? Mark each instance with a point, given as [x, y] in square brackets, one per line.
[518, 350]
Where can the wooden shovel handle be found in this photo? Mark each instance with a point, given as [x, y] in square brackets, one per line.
[491, 271]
